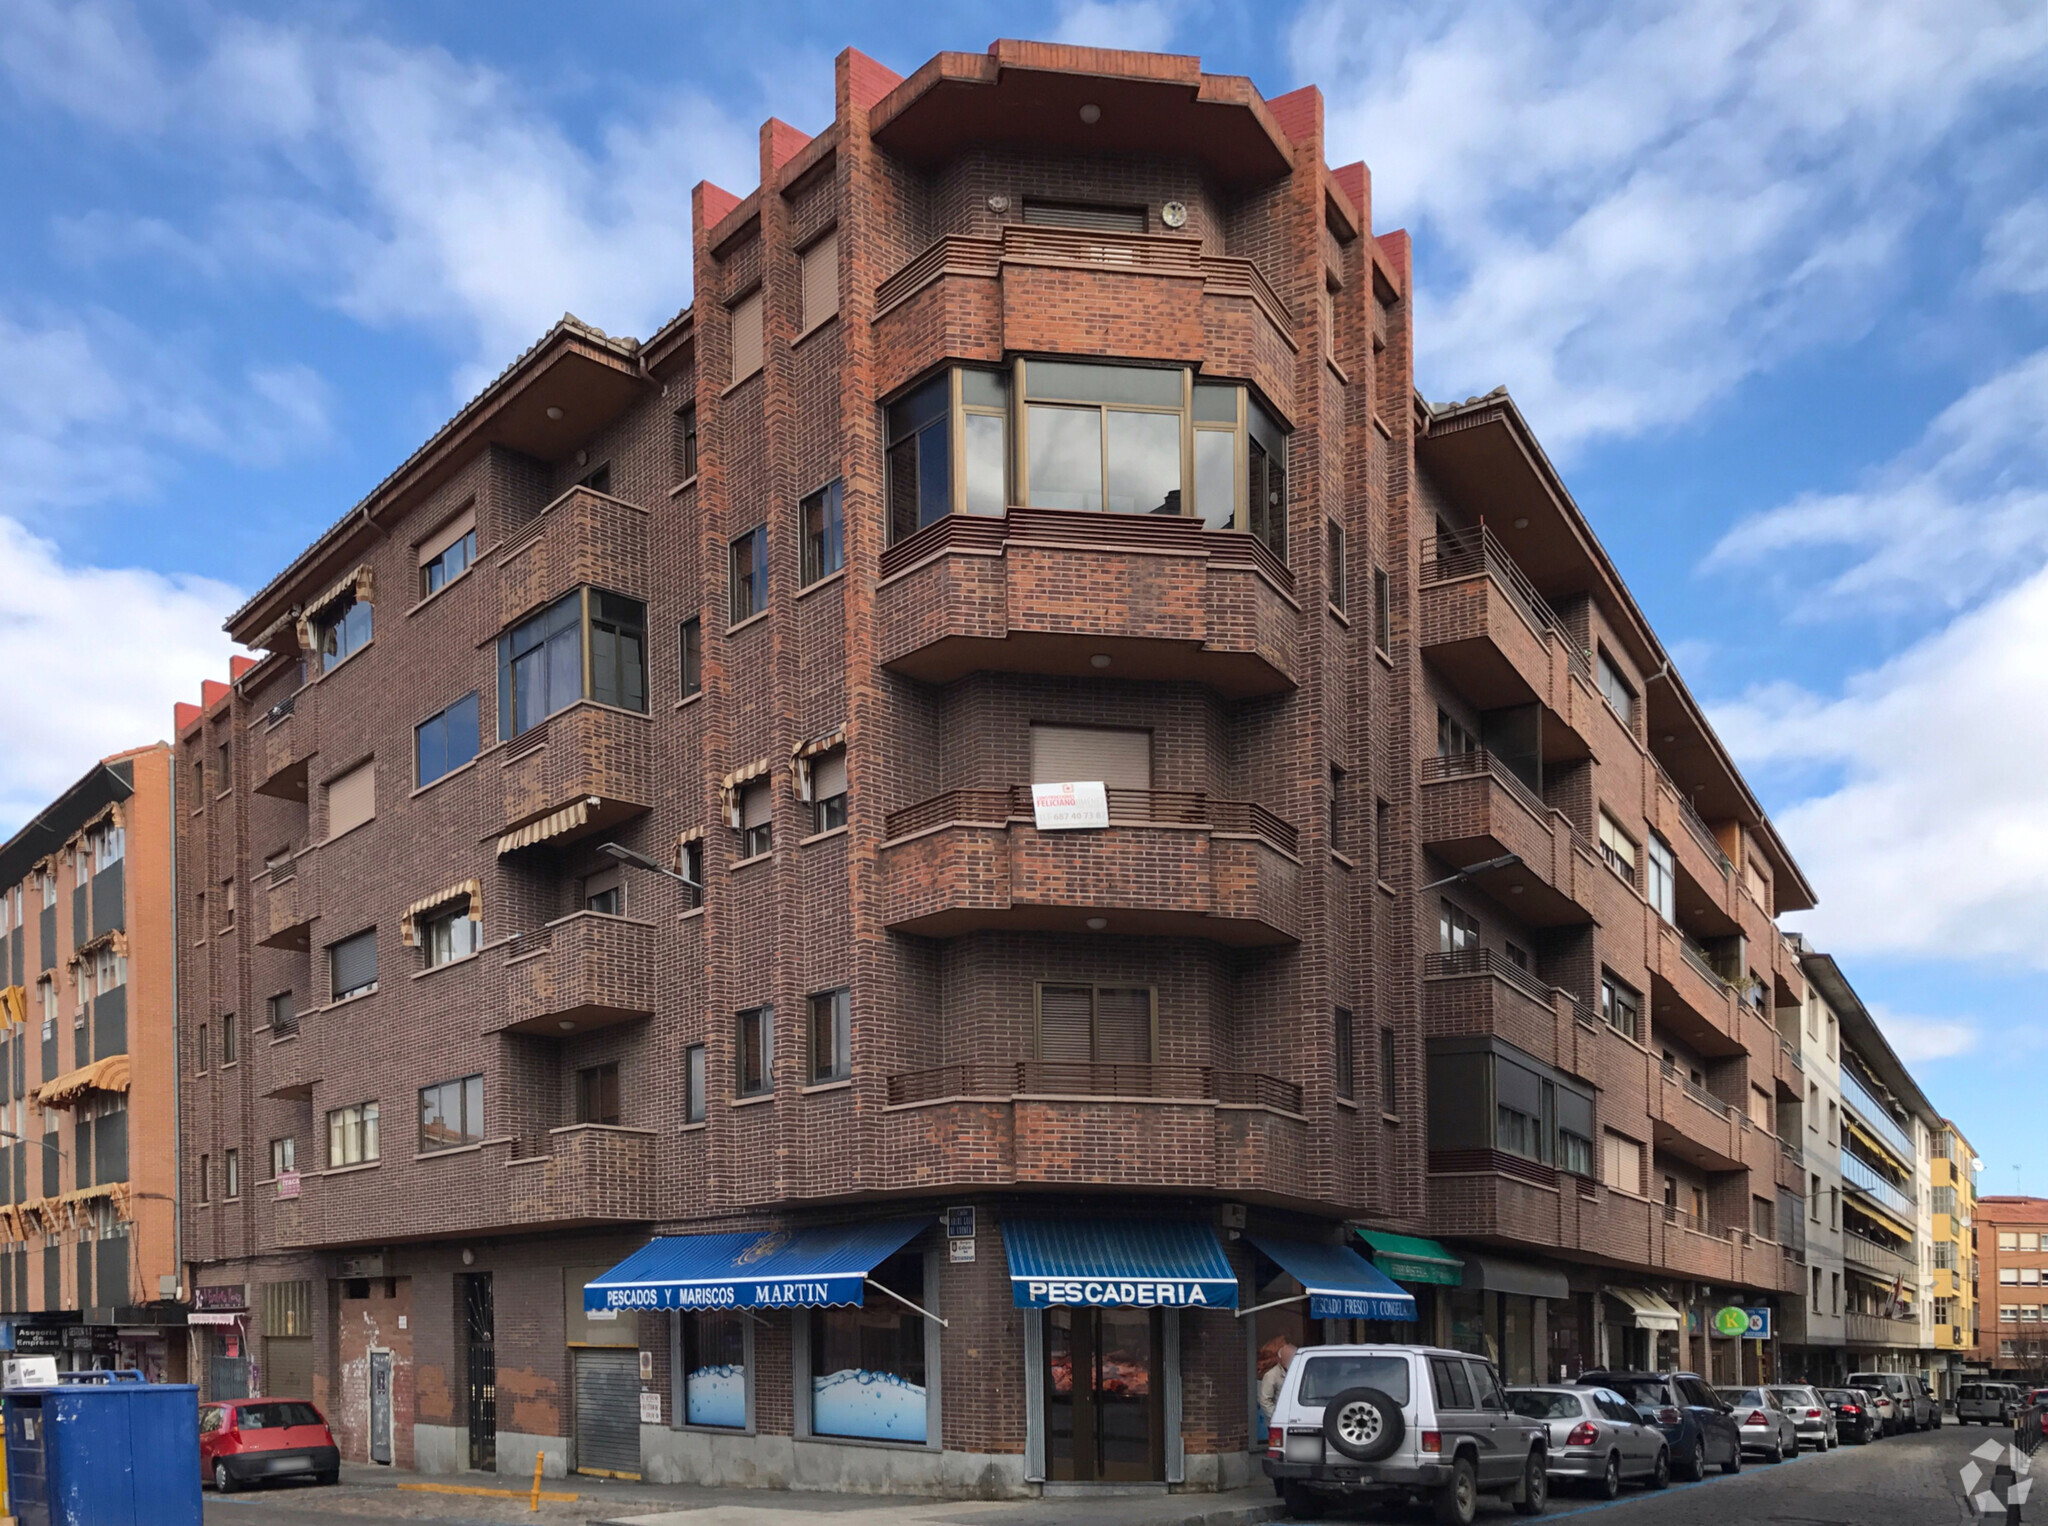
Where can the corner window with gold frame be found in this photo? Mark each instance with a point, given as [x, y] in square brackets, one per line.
[1087, 438]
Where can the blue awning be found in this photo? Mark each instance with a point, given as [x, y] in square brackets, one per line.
[778, 1269]
[1164, 1263]
[1340, 1283]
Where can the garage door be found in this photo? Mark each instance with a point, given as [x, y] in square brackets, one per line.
[608, 1413]
[288, 1366]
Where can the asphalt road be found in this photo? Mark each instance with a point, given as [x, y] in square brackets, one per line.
[1906, 1481]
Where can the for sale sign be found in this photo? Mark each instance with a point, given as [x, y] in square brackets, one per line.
[1070, 807]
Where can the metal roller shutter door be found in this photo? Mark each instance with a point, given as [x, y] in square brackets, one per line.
[608, 1412]
[288, 1368]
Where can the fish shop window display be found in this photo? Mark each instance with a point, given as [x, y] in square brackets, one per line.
[868, 1364]
[715, 1370]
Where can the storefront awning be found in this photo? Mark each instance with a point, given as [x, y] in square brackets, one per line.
[1410, 1258]
[1340, 1283]
[1650, 1311]
[1496, 1275]
[1163, 1263]
[778, 1269]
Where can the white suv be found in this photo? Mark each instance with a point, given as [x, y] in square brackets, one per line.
[1398, 1423]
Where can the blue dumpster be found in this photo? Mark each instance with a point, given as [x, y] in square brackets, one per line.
[110, 1451]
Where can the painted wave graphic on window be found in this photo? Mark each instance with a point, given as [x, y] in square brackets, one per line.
[716, 1396]
[875, 1406]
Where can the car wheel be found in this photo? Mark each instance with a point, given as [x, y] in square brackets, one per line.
[1660, 1476]
[1457, 1502]
[1302, 1501]
[1734, 1462]
[223, 1480]
[1535, 1486]
[1364, 1424]
[1610, 1482]
[330, 1476]
[1697, 1468]
[1776, 1454]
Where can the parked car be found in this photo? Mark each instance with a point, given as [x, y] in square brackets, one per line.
[249, 1441]
[1389, 1423]
[1811, 1416]
[1697, 1425]
[1855, 1415]
[1598, 1440]
[1990, 1403]
[1766, 1429]
[1912, 1409]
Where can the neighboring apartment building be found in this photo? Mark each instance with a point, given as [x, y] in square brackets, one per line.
[2012, 1287]
[1884, 1135]
[953, 1125]
[1952, 1252]
[88, 1080]
[1815, 1327]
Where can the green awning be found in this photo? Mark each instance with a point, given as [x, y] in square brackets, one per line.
[1410, 1258]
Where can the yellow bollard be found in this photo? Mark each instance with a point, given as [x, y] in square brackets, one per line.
[538, 1459]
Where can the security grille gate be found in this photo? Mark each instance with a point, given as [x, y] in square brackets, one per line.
[608, 1413]
[480, 1370]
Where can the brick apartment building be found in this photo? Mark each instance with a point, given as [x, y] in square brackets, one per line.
[88, 1078]
[2011, 1260]
[863, 1126]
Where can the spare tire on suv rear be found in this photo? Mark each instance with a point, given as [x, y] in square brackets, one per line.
[1365, 1424]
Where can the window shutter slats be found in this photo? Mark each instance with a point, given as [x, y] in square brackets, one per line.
[1065, 214]
[1064, 1023]
[821, 279]
[1123, 1026]
[756, 804]
[746, 336]
[352, 799]
[447, 535]
[828, 775]
[1120, 759]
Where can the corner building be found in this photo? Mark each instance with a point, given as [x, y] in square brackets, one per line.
[1048, 416]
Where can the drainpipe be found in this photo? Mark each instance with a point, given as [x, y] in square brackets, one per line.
[177, 1077]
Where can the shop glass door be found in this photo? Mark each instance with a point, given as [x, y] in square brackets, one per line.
[1104, 1396]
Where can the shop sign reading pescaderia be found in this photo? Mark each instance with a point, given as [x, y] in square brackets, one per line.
[1113, 1292]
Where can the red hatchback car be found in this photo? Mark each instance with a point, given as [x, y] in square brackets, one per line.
[249, 1441]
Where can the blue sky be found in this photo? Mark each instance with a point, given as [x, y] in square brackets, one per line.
[1771, 282]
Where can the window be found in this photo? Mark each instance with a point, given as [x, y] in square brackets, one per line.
[828, 790]
[1944, 1255]
[922, 485]
[1525, 1106]
[2029, 1240]
[2008, 1240]
[109, 970]
[693, 1084]
[1574, 1153]
[878, 1348]
[445, 742]
[597, 1094]
[352, 1135]
[542, 664]
[1662, 878]
[1390, 1093]
[1457, 930]
[1382, 610]
[1333, 547]
[230, 1042]
[1763, 1218]
[1383, 840]
[284, 1017]
[450, 935]
[351, 798]
[205, 1178]
[1616, 689]
[685, 443]
[1813, 1197]
[1095, 218]
[352, 965]
[831, 1036]
[204, 1049]
[452, 1114]
[2009, 1313]
[599, 480]
[757, 824]
[605, 892]
[1104, 1024]
[1621, 1006]
[1083, 453]
[714, 1369]
[755, 1053]
[1452, 739]
[1945, 1200]
[109, 845]
[745, 315]
[1336, 809]
[749, 556]
[1618, 848]
[2009, 1276]
[284, 1155]
[1346, 1065]
[691, 860]
[447, 553]
[692, 654]
[231, 1174]
[823, 517]
[1620, 1164]
[1121, 760]
[342, 630]
[820, 267]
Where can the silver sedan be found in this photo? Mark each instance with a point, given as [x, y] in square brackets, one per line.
[1597, 1438]
[1766, 1429]
[1812, 1418]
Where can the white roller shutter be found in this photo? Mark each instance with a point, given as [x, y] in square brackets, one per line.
[746, 336]
[1120, 759]
[352, 798]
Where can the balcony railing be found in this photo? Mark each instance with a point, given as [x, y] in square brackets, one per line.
[1798, 1060]
[1696, 824]
[1679, 1218]
[1880, 1330]
[1484, 961]
[1863, 1178]
[1696, 1091]
[1880, 1261]
[1467, 553]
[1702, 961]
[1470, 765]
[1875, 1114]
[1083, 1080]
[1793, 1153]
[1127, 807]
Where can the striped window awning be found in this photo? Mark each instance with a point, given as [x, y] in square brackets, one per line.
[554, 824]
[108, 1075]
[471, 890]
[358, 582]
[801, 755]
[730, 786]
[13, 1007]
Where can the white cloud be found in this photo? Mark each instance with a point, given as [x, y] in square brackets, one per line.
[92, 659]
[1918, 1039]
[1627, 213]
[1962, 511]
[1933, 842]
[91, 60]
[2016, 249]
[1141, 26]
